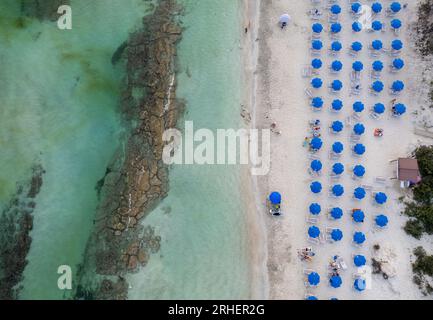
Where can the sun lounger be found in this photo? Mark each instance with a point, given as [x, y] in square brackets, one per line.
[367, 187]
[307, 271]
[307, 72]
[356, 116]
[312, 219]
[308, 93]
[394, 53]
[381, 180]
[375, 75]
[313, 240]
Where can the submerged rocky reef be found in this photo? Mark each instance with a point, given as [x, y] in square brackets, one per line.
[42, 9]
[137, 179]
[16, 223]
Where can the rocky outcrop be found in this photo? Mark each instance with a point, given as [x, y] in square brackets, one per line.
[42, 9]
[137, 179]
[16, 222]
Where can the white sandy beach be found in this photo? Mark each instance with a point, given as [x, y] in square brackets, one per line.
[280, 98]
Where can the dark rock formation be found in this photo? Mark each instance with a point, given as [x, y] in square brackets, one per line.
[16, 222]
[137, 179]
[42, 9]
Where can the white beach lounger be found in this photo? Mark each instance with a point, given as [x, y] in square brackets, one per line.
[308, 93]
[381, 180]
[307, 72]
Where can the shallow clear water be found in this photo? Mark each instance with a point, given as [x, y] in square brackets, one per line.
[204, 248]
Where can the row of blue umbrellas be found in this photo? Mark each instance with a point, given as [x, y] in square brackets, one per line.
[358, 106]
[378, 86]
[317, 143]
[356, 26]
[337, 65]
[335, 281]
[358, 237]
[376, 7]
[338, 190]
[337, 168]
[357, 215]
[356, 46]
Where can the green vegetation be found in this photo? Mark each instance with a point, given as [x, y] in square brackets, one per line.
[423, 268]
[420, 210]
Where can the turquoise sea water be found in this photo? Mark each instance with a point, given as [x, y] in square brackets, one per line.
[59, 95]
[204, 248]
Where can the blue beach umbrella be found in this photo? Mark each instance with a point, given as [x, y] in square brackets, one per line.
[377, 45]
[359, 237]
[356, 46]
[395, 7]
[398, 64]
[359, 260]
[317, 28]
[399, 109]
[396, 24]
[358, 216]
[317, 102]
[316, 165]
[357, 66]
[356, 7]
[359, 284]
[317, 44]
[358, 106]
[377, 65]
[336, 9]
[316, 187]
[376, 7]
[357, 26]
[336, 27]
[315, 209]
[397, 44]
[338, 147]
[314, 278]
[380, 198]
[275, 198]
[316, 83]
[312, 298]
[381, 220]
[336, 213]
[359, 129]
[337, 105]
[376, 25]
[337, 85]
[398, 86]
[379, 108]
[336, 46]
[377, 86]
[336, 281]
[316, 63]
[359, 193]
[313, 232]
[316, 143]
[359, 171]
[336, 65]
[359, 149]
[337, 126]
[338, 190]
[336, 234]
[338, 168]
